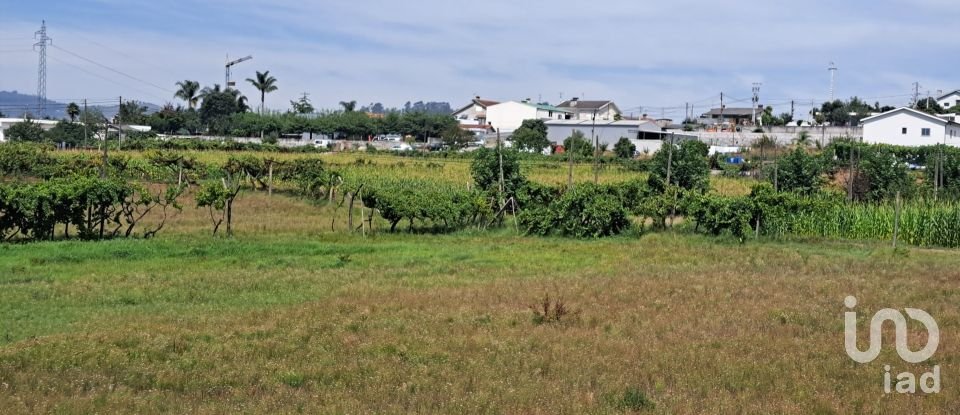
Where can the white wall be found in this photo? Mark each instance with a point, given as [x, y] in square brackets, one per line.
[607, 113]
[508, 116]
[472, 114]
[949, 101]
[889, 130]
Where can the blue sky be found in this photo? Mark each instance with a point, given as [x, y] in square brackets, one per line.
[648, 56]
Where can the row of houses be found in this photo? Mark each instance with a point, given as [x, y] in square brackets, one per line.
[602, 119]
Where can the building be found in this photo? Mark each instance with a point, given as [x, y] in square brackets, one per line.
[508, 116]
[6, 123]
[473, 116]
[949, 100]
[909, 127]
[735, 116]
[607, 132]
[585, 110]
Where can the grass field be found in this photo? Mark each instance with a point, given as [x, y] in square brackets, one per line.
[290, 316]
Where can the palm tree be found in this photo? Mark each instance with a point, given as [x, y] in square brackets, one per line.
[803, 139]
[188, 91]
[264, 83]
[207, 91]
[348, 106]
[73, 110]
[242, 103]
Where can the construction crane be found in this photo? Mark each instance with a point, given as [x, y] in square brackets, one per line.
[230, 63]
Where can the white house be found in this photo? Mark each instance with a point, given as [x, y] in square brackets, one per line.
[949, 100]
[606, 132]
[909, 127]
[508, 116]
[474, 114]
[6, 123]
[585, 110]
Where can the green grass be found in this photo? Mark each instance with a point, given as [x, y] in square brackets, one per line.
[404, 323]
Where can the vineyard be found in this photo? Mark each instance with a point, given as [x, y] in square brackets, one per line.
[133, 194]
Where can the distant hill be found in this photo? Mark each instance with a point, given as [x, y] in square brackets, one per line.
[14, 104]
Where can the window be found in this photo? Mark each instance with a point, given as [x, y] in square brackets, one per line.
[904, 130]
[925, 132]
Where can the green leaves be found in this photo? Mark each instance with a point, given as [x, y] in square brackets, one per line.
[586, 211]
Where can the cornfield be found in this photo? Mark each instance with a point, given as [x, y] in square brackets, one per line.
[922, 223]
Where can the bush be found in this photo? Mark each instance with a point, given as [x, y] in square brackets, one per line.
[443, 206]
[624, 148]
[690, 168]
[579, 145]
[799, 172]
[586, 211]
[485, 169]
[718, 214]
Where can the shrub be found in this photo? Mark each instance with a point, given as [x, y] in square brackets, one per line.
[799, 172]
[587, 210]
[485, 169]
[718, 214]
[690, 168]
[633, 399]
[624, 148]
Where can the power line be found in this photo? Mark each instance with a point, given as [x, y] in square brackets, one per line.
[114, 70]
[82, 69]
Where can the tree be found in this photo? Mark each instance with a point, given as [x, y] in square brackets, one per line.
[188, 91]
[879, 175]
[456, 138]
[486, 171]
[265, 84]
[131, 112]
[301, 106]
[578, 144]
[929, 106]
[348, 106]
[28, 130]
[688, 163]
[73, 110]
[217, 107]
[531, 136]
[624, 148]
[785, 118]
[799, 172]
[241, 102]
[67, 133]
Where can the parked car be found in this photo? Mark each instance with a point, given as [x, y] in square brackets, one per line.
[393, 137]
[401, 147]
[322, 143]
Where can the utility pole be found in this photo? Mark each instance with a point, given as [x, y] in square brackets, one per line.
[833, 76]
[755, 100]
[500, 162]
[916, 95]
[570, 158]
[41, 46]
[791, 109]
[670, 160]
[120, 125]
[85, 115]
[721, 112]
[596, 149]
